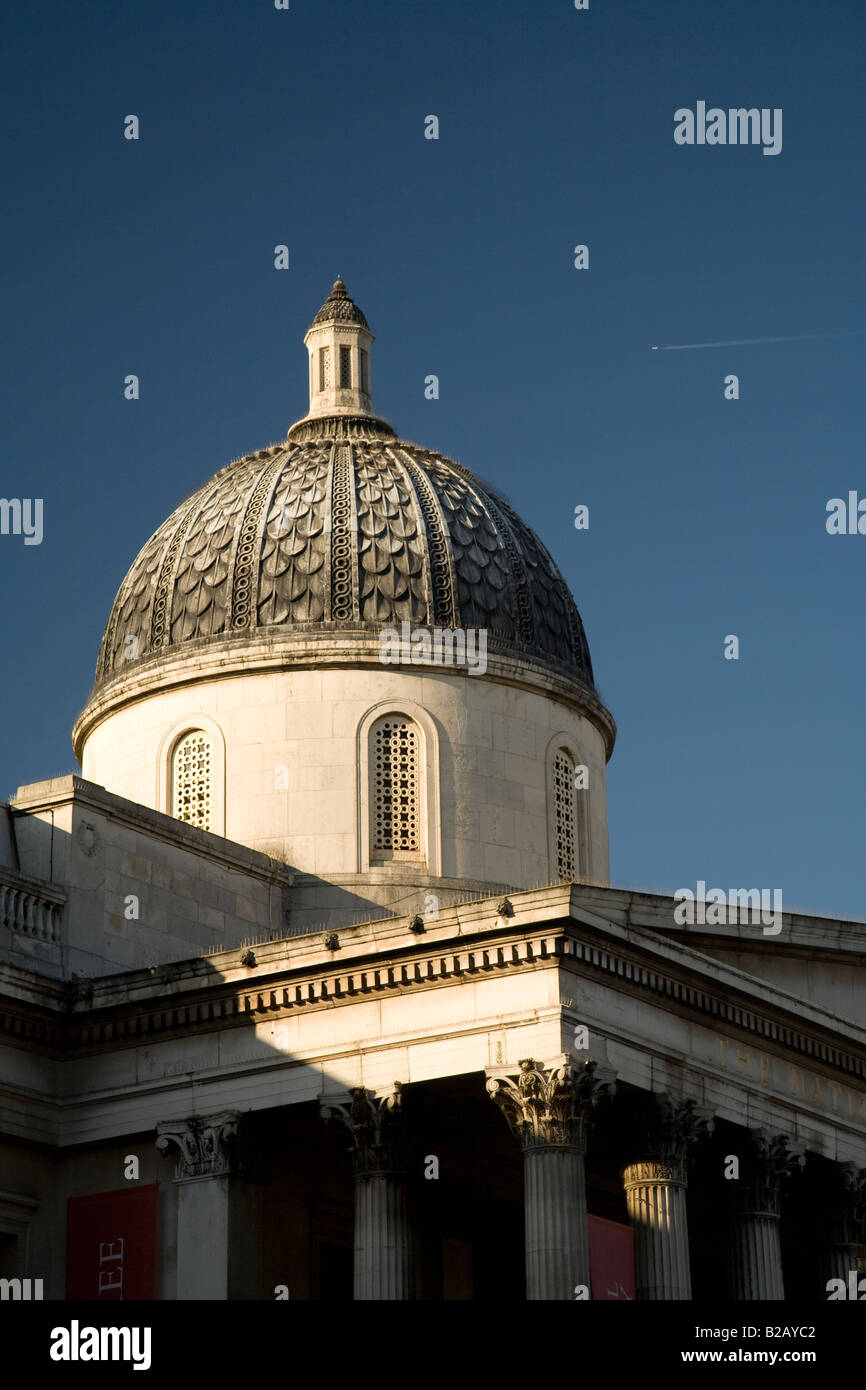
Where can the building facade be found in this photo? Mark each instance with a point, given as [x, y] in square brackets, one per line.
[313, 984]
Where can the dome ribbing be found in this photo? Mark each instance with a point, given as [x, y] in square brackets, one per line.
[353, 529]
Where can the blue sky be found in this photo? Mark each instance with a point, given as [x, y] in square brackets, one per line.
[306, 127]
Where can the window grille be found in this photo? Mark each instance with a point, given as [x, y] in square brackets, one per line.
[396, 789]
[565, 812]
[324, 368]
[192, 779]
[345, 367]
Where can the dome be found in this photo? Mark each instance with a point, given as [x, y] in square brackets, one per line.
[339, 308]
[348, 653]
[307, 553]
[348, 529]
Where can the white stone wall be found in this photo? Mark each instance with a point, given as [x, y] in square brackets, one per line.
[140, 890]
[294, 790]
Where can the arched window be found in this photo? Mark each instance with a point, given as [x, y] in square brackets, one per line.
[565, 815]
[192, 780]
[396, 790]
[399, 805]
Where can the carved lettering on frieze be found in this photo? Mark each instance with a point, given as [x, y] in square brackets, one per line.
[820, 1092]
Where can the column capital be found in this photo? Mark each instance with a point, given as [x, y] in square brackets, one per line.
[208, 1146]
[550, 1103]
[779, 1154]
[371, 1118]
[652, 1171]
[655, 1192]
[772, 1158]
[672, 1126]
[850, 1186]
[845, 1222]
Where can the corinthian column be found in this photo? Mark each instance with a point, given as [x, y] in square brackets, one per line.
[382, 1242]
[655, 1189]
[754, 1247]
[216, 1224]
[845, 1226]
[548, 1108]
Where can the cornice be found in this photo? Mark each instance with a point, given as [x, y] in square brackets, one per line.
[274, 988]
[637, 972]
[821, 937]
[31, 1026]
[326, 985]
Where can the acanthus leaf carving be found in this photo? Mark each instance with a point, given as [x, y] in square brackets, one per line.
[772, 1158]
[372, 1120]
[673, 1125]
[845, 1222]
[207, 1146]
[553, 1103]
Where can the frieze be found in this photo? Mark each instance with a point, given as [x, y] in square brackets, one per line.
[238, 1004]
[655, 980]
[785, 1078]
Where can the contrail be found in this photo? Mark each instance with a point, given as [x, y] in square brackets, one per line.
[744, 342]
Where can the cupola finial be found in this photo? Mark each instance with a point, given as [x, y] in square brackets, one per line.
[338, 345]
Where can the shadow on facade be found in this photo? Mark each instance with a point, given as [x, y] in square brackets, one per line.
[189, 1050]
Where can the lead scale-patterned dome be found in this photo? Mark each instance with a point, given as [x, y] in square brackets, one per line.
[339, 308]
[344, 531]
[343, 526]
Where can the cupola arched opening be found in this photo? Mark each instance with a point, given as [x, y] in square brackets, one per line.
[569, 820]
[191, 770]
[192, 780]
[398, 789]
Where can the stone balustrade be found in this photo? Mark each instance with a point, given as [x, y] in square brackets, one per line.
[30, 907]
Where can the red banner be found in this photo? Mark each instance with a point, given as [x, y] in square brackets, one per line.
[111, 1244]
[611, 1259]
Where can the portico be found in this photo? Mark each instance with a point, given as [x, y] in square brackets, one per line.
[219, 1076]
